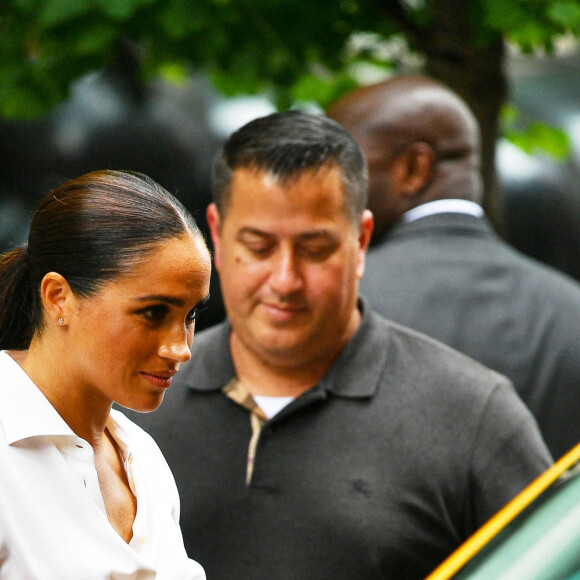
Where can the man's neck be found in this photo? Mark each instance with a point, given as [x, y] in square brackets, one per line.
[261, 377]
[281, 378]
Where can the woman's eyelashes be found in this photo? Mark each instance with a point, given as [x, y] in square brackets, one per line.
[192, 314]
[156, 313]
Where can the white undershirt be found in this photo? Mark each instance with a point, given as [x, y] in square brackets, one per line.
[443, 206]
[272, 405]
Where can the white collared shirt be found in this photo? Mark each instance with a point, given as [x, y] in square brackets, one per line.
[53, 523]
[443, 206]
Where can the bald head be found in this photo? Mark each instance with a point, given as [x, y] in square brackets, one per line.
[421, 142]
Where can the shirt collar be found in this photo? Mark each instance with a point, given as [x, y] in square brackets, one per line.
[355, 373]
[360, 366]
[443, 206]
[24, 410]
[211, 366]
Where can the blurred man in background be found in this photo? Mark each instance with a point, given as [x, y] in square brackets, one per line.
[436, 264]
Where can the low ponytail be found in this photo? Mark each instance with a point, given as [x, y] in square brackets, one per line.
[17, 301]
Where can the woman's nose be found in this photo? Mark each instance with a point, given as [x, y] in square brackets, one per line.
[178, 346]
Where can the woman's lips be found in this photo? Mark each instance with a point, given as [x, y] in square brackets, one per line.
[162, 380]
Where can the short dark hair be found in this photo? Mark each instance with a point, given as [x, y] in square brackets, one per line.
[287, 144]
[90, 230]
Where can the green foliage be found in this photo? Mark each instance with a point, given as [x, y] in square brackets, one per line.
[535, 137]
[291, 49]
[532, 24]
[288, 48]
[321, 88]
[566, 13]
[42, 52]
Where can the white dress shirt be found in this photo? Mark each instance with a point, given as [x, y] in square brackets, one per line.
[53, 524]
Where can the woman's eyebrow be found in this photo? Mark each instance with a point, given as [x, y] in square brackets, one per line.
[161, 298]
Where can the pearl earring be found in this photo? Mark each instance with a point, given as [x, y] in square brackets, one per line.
[60, 320]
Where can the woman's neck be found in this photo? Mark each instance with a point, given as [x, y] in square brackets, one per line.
[84, 412]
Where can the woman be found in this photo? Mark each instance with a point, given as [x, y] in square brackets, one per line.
[98, 307]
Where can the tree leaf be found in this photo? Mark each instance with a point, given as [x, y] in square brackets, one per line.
[566, 12]
[59, 11]
[541, 138]
[120, 9]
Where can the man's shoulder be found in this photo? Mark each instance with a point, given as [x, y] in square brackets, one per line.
[551, 276]
[407, 341]
[428, 359]
[407, 243]
[423, 377]
[410, 239]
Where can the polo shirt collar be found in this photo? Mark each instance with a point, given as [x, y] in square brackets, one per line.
[358, 369]
[356, 372]
[24, 411]
[211, 366]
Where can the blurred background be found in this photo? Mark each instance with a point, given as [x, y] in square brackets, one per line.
[156, 86]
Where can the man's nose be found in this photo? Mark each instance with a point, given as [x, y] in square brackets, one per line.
[286, 275]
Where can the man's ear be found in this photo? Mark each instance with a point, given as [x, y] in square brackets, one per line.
[213, 220]
[415, 167]
[57, 297]
[366, 225]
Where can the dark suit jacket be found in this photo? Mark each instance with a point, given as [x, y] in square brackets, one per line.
[449, 276]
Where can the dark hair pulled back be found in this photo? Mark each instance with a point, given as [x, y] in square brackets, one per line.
[89, 230]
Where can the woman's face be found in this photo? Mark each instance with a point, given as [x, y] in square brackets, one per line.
[127, 341]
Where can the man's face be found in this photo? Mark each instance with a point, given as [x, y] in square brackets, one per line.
[289, 260]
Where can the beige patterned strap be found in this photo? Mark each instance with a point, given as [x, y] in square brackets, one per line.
[237, 392]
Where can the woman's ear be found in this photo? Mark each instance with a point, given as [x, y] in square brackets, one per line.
[57, 297]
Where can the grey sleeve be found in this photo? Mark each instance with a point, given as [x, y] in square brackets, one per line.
[509, 453]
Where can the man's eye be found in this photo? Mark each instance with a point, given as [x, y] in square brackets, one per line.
[259, 249]
[317, 252]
